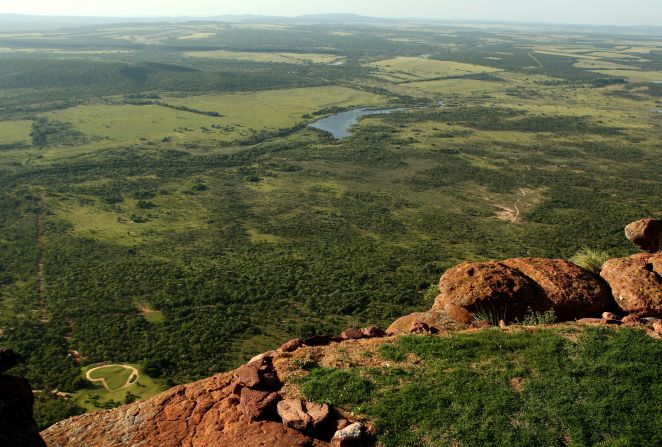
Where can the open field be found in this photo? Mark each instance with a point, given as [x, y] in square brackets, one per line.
[287, 58]
[241, 115]
[15, 131]
[111, 383]
[419, 68]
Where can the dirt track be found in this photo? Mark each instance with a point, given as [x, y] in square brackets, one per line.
[129, 382]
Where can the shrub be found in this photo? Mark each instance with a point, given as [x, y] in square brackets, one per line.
[590, 259]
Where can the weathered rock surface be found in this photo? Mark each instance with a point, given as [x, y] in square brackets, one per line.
[257, 405]
[645, 234]
[483, 286]
[199, 414]
[433, 319]
[636, 283]
[568, 289]
[303, 415]
[17, 426]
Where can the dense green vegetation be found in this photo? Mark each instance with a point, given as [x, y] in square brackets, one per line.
[176, 212]
[524, 388]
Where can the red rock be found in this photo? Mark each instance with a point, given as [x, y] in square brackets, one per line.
[636, 283]
[200, 414]
[569, 290]
[17, 426]
[291, 345]
[319, 414]
[293, 414]
[352, 334]
[434, 319]
[248, 376]
[458, 313]
[373, 332]
[646, 234]
[631, 320]
[256, 405]
[514, 287]
[502, 323]
[481, 286]
[302, 415]
[657, 327]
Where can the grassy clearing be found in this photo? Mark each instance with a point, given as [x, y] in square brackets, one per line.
[276, 108]
[635, 75]
[114, 376]
[96, 397]
[195, 36]
[243, 114]
[15, 131]
[519, 388]
[417, 68]
[287, 58]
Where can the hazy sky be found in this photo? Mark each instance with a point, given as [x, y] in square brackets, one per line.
[615, 12]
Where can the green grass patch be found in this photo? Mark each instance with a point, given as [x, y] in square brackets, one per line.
[96, 396]
[115, 376]
[519, 389]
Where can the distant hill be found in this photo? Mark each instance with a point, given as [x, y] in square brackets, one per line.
[21, 22]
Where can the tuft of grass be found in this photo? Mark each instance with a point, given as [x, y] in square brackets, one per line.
[590, 259]
[491, 315]
[533, 318]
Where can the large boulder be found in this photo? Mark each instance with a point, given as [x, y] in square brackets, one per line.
[645, 234]
[569, 290]
[636, 283]
[17, 426]
[512, 288]
[487, 287]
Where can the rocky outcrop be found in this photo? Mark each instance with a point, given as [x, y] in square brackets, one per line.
[17, 426]
[645, 234]
[200, 414]
[511, 288]
[636, 283]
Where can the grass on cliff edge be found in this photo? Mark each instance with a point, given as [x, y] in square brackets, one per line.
[546, 387]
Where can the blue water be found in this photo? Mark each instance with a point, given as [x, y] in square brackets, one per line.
[339, 124]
